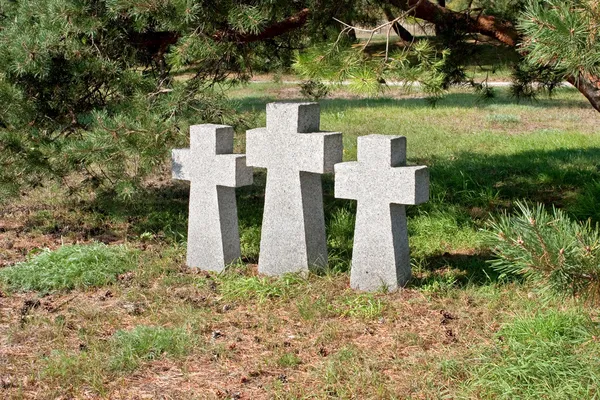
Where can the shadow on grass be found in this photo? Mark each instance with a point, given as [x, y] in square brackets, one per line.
[451, 100]
[482, 184]
[454, 270]
[486, 55]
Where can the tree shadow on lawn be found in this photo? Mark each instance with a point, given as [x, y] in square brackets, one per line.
[483, 55]
[481, 184]
[454, 270]
[451, 100]
[470, 187]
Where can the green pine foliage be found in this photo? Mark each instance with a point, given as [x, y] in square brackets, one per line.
[90, 89]
[562, 35]
[561, 256]
[70, 267]
[367, 73]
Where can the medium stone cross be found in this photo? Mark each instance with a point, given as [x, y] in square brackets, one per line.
[294, 153]
[382, 185]
[214, 173]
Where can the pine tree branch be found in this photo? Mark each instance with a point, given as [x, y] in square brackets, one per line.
[487, 25]
[589, 86]
[158, 42]
[277, 29]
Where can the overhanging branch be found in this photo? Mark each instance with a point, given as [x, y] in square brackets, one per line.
[158, 42]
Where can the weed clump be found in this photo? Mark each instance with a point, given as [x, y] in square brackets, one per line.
[70, 267]
[558, 254]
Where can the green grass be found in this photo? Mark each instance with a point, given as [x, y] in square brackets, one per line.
[553, 355]
[124, 352]
[288, 360]
[482, 157]
[452, 332]
[70, 267]
[144, 343]
[234, 286]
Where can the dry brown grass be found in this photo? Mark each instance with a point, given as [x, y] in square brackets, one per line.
[394, 353]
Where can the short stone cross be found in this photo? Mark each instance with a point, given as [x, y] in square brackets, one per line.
[295, 153]
[214, 173]
[382, 184]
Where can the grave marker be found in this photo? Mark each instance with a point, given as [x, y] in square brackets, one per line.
[382, 185]
[295, 155]
[214, 173]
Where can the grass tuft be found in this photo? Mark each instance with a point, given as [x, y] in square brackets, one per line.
[240, 287]
[144, 343]
[288, 360]
[550, 356]
[70, 267]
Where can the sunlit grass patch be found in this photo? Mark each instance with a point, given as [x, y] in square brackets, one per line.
[553, 355]
[70, 267]
[236, 286]
[504, 118]
[144, 343]
[124, 352]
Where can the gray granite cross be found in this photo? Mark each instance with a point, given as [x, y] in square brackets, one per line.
[295, 155]
[214, 173]
[382, 184]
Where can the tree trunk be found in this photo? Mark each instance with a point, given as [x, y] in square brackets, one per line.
[438, 30]
[589, 86]
[401, 31]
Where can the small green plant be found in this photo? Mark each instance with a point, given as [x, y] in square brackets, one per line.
[70, 267]
[289, 360]
[440, 284]
[143, 343]
[550, 356]
[234, 286]
[366, 306]
[560, 255]
[313, 90]
[504, 118]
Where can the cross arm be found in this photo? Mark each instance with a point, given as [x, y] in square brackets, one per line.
[347, 180]
[231, 171]
[408, 185]
[401, 185]
[318, 152]
[180, 159]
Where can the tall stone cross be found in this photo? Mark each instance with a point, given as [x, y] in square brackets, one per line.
[214, 173]
[382, 184]
[295, 155]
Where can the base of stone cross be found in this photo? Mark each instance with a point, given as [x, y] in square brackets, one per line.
[213, 239]
[293, 229]
[380, 257]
